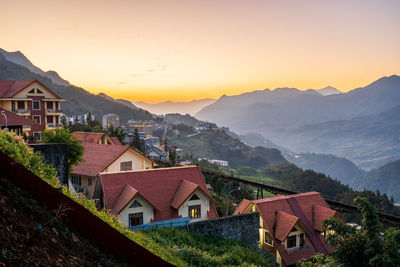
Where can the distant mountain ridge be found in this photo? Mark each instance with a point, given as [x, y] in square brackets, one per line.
[20, 59]
[290, 118]
[78, 101]
[190, 107]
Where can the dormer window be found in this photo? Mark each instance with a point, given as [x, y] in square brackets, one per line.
[292, 241]
[194, 197]
[194, 211]
[135, 204]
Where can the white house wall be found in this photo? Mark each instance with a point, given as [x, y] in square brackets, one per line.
[148, 212]
[203, 201]
[138, 162]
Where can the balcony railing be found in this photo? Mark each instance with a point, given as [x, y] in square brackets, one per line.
[53, 125]
[54, 110]
[21, 110]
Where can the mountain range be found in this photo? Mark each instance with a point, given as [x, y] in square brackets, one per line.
[361, 125]
[15, 66]
[190, 107]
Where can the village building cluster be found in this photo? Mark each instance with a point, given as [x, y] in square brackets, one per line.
[132, 186]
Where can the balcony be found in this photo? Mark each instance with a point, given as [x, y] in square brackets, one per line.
[50, 126]
[22, 111]
[53, 111]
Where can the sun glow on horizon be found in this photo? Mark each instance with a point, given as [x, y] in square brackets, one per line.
[155, 51]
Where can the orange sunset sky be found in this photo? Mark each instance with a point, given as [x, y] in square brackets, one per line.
[182, 50]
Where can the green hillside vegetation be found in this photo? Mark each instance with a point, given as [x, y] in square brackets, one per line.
[78, 101]
[385, 179]
[207, 250]
[219, 145]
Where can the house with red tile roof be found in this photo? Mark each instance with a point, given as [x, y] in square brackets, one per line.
[142, 197]
[34, 101]
[101, 158]
[96, 138]
[291, 226]
[14, 123]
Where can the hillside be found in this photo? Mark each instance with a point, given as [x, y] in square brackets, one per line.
[386, 179]
[280, 114]
[339, 168]
[219, 145]
[78, 101]
[32, 236]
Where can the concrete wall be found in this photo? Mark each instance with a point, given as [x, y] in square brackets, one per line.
[243, 228]
[55, 155]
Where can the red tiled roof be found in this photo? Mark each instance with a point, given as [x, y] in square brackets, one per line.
[14, 119]
[116, 140]
[10, 88]
[284, 224]
[184, 191]
[242, 206]
[320, 214]
[160, 186]
[288, 208]
[88, 137]
[127, 194]
[97, 158]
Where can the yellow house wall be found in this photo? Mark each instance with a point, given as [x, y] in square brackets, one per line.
[138, 163]
[203, 201]
[148, 212]
[46, 92]
[6, 104]
[299, 231]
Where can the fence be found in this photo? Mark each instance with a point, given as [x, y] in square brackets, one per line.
[168, 223]
[88, 225]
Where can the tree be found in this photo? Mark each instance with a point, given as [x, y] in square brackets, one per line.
[136, 141]
[74, 147]
[117, 132]
[371, 246]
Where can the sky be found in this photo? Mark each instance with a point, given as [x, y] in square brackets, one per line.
[182, 50]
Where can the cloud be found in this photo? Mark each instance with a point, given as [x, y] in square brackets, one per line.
[137, 75]
[163, 67]
[151, 70]
[120, 82]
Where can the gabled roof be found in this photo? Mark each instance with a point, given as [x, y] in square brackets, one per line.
[14, 119]
[284, 224]
[184, 191]
[11, 88]
[320, 214]
[283, 212]
[127, 194]
[116, 140]
[158, 186]
[97, 158]
[91, 137]
[155, 149]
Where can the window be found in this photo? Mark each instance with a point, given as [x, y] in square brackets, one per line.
[21, 105]
[49, 119]
[32, 91]
[37, 119]
[194, 197]
[301, 237]
[194, 211]
[126, 166]
[268, 239]
[89, 182]
[37, 136]
[76, 180]
[135, 204]
[49, 105]
[38, 91]
[13, 106]
[135, 218]
[292, 241]
[36, 105]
